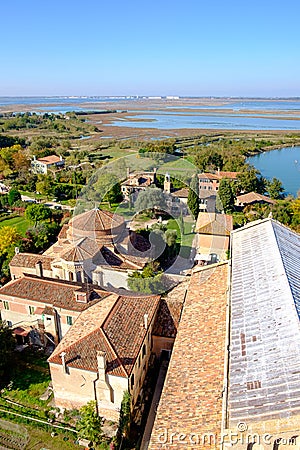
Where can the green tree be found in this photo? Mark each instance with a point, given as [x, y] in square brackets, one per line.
[38, 213]
[275, 189]
[149, 281]
[9, 236]
[114, 195]
[45, 185]
[150, 199]
[13, 197]
[193, 196]
[43, 235]
[89, 425]
[250, 180]
[226, 196]
[7, 344]
[125, 416]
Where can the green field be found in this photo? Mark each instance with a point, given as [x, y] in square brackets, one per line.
[20, 223]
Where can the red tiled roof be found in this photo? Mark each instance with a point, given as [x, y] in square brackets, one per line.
[252, 197]
[96, 220]
[191, 400]
[80, 250]
[214, 224]
[30, 260]
[125, 329]
[51, 159]
[231, 175]
[59, 293]
[181, 193]
[218, 175]
[114, 325]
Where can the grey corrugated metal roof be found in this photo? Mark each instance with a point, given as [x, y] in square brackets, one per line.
[264, 371]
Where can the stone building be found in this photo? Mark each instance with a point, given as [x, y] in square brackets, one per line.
[94, 246]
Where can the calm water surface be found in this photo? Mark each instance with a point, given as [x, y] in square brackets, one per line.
[283, 164]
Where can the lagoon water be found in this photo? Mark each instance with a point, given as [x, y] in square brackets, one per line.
[184, 114]
[283, 164]
[214, 121]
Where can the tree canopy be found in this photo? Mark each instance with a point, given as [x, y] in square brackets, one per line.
[37, 213]
[9, 236]
[226, 195]
[193, 196]
[151, 198]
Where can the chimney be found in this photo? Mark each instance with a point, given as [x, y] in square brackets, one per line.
[218, 171]
[63, 360]
[101, 361]
[39, 269]
[61, 158]
[146, 321]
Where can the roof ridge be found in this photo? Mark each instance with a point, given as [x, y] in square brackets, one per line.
[110, 345]
[98, 327]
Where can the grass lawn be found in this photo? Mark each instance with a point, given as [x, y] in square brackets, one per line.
[185, 240]
[20, 223]
[30, 379]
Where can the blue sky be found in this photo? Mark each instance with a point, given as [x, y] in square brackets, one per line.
[154, 47]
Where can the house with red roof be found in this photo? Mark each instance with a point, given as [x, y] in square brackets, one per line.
[43, 165]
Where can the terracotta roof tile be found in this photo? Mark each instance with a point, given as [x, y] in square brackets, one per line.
[169, 311]
[59, 293]
[214, 224]
[30, 260]
[191, 401]
[252, 197]
[51, 159]
[114, 325]
[180, 193]
[96, 220]
[125, 329]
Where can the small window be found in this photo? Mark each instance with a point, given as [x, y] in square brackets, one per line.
[6, 304]
[144, 350]
[132, 381]
[9, 323]
[139, 361]
[69, 320]
[31, 310]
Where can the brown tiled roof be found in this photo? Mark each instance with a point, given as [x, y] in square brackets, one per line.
[214, 224]
[210, 176]
[252, 197]
[125, 329]
[181, 193]
[58, 293]
[218, 175]
[63, 232]
[30, 260]
[96, 220]
[191, 401]
[51, 159]
[80, 250]
[114, 325]
[231, 175]
[169, 311]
